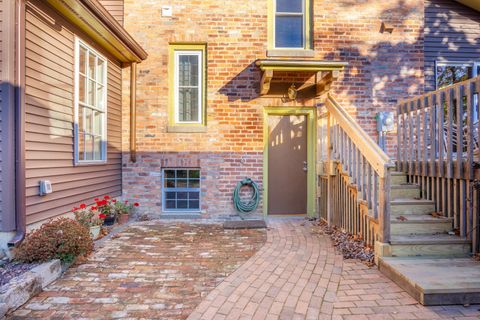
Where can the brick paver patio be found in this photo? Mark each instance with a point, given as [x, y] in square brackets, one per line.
[159, 270]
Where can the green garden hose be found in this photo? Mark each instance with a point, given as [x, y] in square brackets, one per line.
[245, 206]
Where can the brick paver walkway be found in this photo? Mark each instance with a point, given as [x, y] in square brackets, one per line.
[298, 275]
[152, 270]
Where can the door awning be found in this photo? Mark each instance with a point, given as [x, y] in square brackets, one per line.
[325, 71]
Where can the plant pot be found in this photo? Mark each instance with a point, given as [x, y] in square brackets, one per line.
[123, 218]
[95, 231]
[109, 221]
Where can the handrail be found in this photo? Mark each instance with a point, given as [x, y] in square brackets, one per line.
[378, 159]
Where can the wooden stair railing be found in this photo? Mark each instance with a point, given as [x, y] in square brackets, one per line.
[438, 149]
[355, 177]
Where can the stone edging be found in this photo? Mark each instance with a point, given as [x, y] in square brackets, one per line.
[20, 289]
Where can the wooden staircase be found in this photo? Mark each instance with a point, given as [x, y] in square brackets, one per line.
[414, 230]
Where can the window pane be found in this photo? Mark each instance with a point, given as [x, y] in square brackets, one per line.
[91, 66]
[188, 70]
[88, 120]
[182, 195]
[170, 204]
[181, 173]
[100, 70]
[169, 183]
[193, 195]
[182, 204]
[194, 174]
[194, 183]
[194, 204]
[289, 32]
[91, 93]
[81, 88]
[88, 147]
[448, 75]
[188, 104]
[169, 173]
[97, 148]
[182, 183]
[170, 195]
[82, 60]
[97, 123]
[100, 103]
[289, 5]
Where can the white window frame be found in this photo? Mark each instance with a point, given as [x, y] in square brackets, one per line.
[199, 54]
[77, 104]
[473, 65]
[165, 190]
[294, 14]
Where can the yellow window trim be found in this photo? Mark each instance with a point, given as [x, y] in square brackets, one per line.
[308, 27]
[171, 82]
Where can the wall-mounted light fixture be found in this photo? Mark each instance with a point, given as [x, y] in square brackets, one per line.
[292, 92]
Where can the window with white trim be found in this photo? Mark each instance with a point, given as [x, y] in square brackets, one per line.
[188, 77]
[289, 30]
[181, 190]
[90, 105]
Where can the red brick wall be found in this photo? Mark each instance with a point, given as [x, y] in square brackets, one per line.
[383, 68]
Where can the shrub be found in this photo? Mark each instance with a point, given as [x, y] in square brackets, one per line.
[89, 217]
[62, 238]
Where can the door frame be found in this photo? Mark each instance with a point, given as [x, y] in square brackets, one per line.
[310, 114]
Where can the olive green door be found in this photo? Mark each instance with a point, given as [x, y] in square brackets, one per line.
[287, 164]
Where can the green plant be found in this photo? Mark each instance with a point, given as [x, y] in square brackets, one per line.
[124, 207]
[62, 238]
[89, 217]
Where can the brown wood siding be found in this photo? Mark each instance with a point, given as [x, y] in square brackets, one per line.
[452, 33]
[1, 116]
[50, 112]
[115, 7]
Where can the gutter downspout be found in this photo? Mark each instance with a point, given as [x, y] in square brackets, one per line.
[133, 112]
[20, 195]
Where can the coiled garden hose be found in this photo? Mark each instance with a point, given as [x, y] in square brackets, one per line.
[245, 206]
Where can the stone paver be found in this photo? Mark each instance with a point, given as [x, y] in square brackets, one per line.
[151, 270]
[298, 275]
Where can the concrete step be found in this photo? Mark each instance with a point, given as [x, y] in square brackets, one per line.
[411, 207]
[398, 178]
[405, 191]
[420, 224]
[429, 245]
[435, 280]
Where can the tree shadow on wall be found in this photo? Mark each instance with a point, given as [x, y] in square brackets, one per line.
[244, 86]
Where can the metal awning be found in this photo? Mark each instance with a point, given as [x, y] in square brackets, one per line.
[326, 71]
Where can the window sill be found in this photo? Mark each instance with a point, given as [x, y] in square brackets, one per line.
[90, 163]
[186, 129]
[305, 53]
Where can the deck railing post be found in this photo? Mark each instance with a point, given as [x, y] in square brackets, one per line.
[384, 205]
[329, 170]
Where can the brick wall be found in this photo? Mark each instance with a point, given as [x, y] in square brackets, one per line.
[383, 68]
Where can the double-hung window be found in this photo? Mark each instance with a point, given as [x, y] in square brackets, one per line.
[181, 189]
[90, 105]
[290, 24]
[187, 85]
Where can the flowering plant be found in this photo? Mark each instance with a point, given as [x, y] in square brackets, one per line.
[124, 207]
[105, 206]
[89, 217]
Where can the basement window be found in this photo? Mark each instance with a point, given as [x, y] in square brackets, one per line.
[181, 190]
[90, 130]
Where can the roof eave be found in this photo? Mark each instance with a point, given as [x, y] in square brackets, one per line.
[92, 18]
[474, 4]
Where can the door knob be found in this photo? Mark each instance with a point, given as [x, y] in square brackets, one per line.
[305, 166]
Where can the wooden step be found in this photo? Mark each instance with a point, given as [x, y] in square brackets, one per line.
[398, 178]
[420, 224]
[411, 206]
[435, 280]
[405, 191]
[429, 245]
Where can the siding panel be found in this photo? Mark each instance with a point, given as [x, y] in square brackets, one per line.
[115, 7]
[50, 98]
[452, 33]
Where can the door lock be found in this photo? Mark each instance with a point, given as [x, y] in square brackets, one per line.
[305, 166]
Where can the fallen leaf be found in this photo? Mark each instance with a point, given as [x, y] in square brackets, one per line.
[402, 218]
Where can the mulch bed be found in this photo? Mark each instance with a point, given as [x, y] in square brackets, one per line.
[350, 246]
[10, 270]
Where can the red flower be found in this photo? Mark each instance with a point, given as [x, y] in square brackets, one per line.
[96, 199]
[93, 208]
[136, 204]
[114, 200]
[83, 206]
[126, 201]
[106, 197]
[102, 216]
[74, 209]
